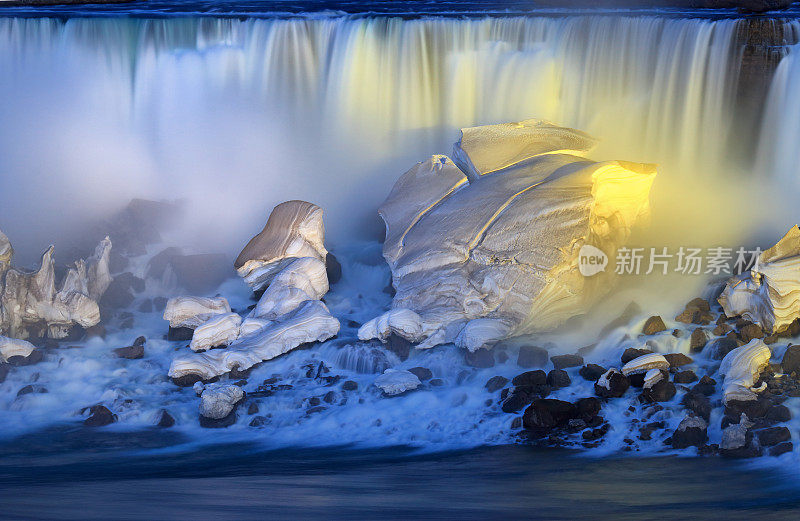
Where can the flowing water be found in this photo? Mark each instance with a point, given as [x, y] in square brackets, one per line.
[237, 114]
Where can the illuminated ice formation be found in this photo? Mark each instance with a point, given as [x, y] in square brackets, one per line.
[218, 400]
[397, 381]
[192, 312]
[294, 229]
[652, 377]
[30, 305]
[302, 279]
[768, 294]
[741, 368]
[645, 363]
[310, 322]
[14, 347]
[218, 331]
[498, 242]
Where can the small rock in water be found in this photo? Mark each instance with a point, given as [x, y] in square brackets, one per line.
[698, 403]
[588, 408]
[779, 413]
[558, 378]
[791, 360]
[737, 440]
[749, 332]
[437, 382]
[654, 325]
[677, 360]
[180, 334]
[662, 391]
[532, 356]
[632, 353]
[423, 373]
[218, 405]
[781, 448]
[530, 379]
[612, 384]
[34, 357]
[691, 432]
[545, 414]
[99, 416]
[32, 389]
[516, 401]
[698, 340]
[349, 385]
[566, 361]
[685, 377]
[773, 436]
[394, 382]
[252, 408]
[165, 419]
[333, 268]
[496, 383]
[481, 358]
[133, 352]
[706, 386]
[399, 346]
[592, 372]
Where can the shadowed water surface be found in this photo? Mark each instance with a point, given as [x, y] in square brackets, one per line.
[80, 474]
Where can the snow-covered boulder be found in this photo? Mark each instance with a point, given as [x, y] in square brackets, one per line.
[499, 241]
[768, 294]
[35, 304]
[219, 400]
[192, 312]
[741, 368]
[310, 322]
[218, 331]
[294, 229]
[10, 347]
[645, 363]
[302, 279]
[397, 381]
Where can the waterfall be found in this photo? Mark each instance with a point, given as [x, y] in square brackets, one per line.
[238, 115]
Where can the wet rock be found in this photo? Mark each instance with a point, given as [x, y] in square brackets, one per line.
[218, 404]
[773, 436]
[99, 416]
[612, 384]
[32, 389]
[481, 358]
[751, 408]
[157, 265]
[496, 383]
[633, 353]
[677, 360]
[698, 340]
[165, 419]
[588, 408]
[691, 432]
[399, 346]
[596, 434]
[516, 401]
[180, 334]
[314, 401]
[706, 386]
[662, 391]
[750, 332]
[252, 408]
[423, 373]
[532, 356]
[314, 410]
[566, 361]
[394, 382]
[654, 325]
[592, 372]
[558, 378]
[530, 379]
[436, 382]
[781, 448]
[545, 414]
[34, 357]
[349, 385]
[330, 397]
[259, 421]
[697, 311]
[516, 423]
[737, 440]
[131, 352]
[718, 348]
[187, 380]
[684, 377]
[779, 413]
[333, 268]
[698, 403]
[791, 360]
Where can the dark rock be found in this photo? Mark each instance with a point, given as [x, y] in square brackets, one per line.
[423, 373]
[545, 414]
[719, 347]
[692, 432]
[140, 341]
[314, 401]
[330, 397]
[749, 332]
[791, 360]
[706, 386]
[99, 416]
[684, 377]
[773, 436]
[698, 340]
[252, 408]
[591, 372]
[633, 353]
[636, 380]
[436, 382]
[678, 359]
[35, 357]
[32, 389]
[654, 325]
[314, 410]
[349, 385]
[481, 358]
[617, 385]
[165, 419]
[698, 403]
[399, 346]
[187, 380]
[119, 294]
[180, 334]
[516, 423]
[131, 352]
[530, 379]
[588, 408]
[159, 262]
[4, 369]
[752, 408]
[211, 423]
[781, 448]
[258, 421]
[661, 391]
[697, 311]
[779, 413]
[532, 356]
[565, 361]
[596, 434]
[558, 378]
[333, 267]
[496, 383]
[516, 401]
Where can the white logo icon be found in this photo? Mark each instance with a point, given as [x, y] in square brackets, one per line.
[591, 260]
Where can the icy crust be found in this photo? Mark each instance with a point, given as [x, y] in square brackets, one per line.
[192, 312]
[741, 368]
[302, 279]
[10, 347]
[294, 229]
[768, 294]
[645, 364]
[34, 304]
[500, 243]
[394, 382]
[218, 331]
[310, 322]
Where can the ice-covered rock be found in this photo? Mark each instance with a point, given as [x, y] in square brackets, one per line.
[652, 377]
[294, 229]
[219, 400]
[10, 347]
[402, 322]
[645, 363]
[741, 368]
[302, 279]
[769, 294]
[219, 330]
[6, 253]
[503, 246]
[192, 312]
[251, 325]
[397, 381]
[33, 304]
[310, 322]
